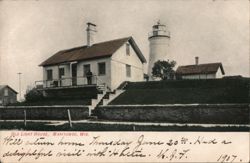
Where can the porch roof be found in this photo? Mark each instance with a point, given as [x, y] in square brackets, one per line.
[98, 50]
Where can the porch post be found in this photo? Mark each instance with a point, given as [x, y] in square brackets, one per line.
[58, 76]
[70, 73]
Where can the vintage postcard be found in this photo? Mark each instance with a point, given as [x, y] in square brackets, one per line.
[124, 81]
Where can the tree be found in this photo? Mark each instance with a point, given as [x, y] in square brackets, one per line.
[164, 69]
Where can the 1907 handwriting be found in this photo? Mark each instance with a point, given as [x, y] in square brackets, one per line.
[179, 149]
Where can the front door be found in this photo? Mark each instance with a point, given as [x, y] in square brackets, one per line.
[61, 75]
[74, 73]
[86, 69]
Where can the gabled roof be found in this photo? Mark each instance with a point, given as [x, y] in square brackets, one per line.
[4, 86]
[98, 50]
[200, 69]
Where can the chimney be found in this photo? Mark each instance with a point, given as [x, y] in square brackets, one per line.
[196, 60]
[91, 30]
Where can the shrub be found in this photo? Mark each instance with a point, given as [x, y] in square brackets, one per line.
[33, 95]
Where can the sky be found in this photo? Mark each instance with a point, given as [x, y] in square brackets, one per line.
[33, 30]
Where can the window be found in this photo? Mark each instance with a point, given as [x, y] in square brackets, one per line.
[6, 92]
[128, 70]
[127, 49]
[61, 72]
[102, 68]
[86, 68]
[49, 75]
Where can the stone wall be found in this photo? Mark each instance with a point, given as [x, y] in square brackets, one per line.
[43, 112]
[200, 113]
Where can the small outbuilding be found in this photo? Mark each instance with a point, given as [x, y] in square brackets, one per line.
[200, 71]
[7, 95]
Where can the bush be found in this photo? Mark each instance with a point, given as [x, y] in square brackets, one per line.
[33, 95]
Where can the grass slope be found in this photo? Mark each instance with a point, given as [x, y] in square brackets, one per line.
[51, 102]
[186, 92]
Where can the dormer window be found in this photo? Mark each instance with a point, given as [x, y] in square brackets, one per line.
[127, 48]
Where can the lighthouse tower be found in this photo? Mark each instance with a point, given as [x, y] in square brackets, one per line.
[158, 45]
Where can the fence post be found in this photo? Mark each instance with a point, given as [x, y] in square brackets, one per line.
[24, 113]
[70, 123]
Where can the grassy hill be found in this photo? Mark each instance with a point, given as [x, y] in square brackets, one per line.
[62, 96]
[55, 101]
[185, 92]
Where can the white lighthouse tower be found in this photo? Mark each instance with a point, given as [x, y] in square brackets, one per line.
[158, 45]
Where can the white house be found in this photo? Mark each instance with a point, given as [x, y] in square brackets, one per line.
[111, 63]
[200, 71]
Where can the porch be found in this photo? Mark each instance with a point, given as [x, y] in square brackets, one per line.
[71, 82]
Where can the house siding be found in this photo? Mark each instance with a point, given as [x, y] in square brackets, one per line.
[54, 74]
[219, 74]
[119, 60]
[94, 69]
[81, 79]
[67, 75]
[199, 76]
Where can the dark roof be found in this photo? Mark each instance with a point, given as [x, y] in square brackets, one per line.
[98, 50]
[4, 86]
[207, 68]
